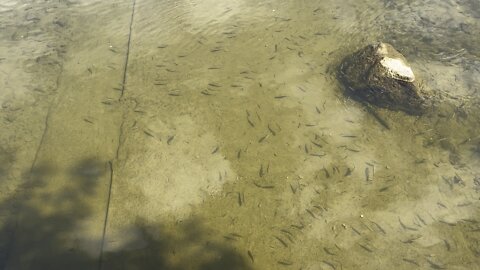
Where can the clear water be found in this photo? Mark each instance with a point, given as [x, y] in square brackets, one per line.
[214, 135]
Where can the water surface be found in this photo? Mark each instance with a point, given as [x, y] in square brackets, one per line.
[214, 135]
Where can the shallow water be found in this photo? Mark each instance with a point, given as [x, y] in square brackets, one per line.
[214, 135]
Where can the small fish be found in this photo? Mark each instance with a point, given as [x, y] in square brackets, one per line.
[330, 264]
[250, 255]
[298, 227]
[406, 227]
[294, 190]
[162, 46]
[286, 263]
[311, 213]
[367, 174]
[280, 97]
[239, 199]
[379, 227]
[215, 150]
[263, 138]
[327, 174]
[264, 186]
[250, 122]
[148, 133]
[214, 85]
[271, 130]
[170, 139]
[434, 265]
[328, 251]
[87, 120]
[365, 247]
[261, 172]
[317, 144]
[411, 261]
[281, 241]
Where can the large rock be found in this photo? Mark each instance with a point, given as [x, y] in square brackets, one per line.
[380, 75]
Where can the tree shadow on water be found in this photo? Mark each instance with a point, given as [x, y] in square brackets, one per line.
[42, 226]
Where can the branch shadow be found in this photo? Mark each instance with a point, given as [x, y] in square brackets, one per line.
[40, 228]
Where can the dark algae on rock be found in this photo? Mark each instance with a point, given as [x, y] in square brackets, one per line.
[380, 75]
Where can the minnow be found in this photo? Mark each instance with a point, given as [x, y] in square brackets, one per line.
[174, 94]
[250, 122]
[379, 227]
[87, 120]
[294, 190]
[170, 70]
[311, 213]
[406, 227]
[366, 248]
[215, 150]
[411, 261]
[170, 139]
[235, 85]
[206, 93]
[281, 241]
[421, 219]
[327, 174]
[214, 85]
[162, 46]
[328, 251]
[263, 138]
[260, 172]
[250, 255]
[317, 109]
[434, 265]
[317, 144]
[284, 262]
[298, 227]
[330, 264]
[148, 133]
[317, 155]
[271, 130]
[280, 97]
[367, 174]
[264, 186]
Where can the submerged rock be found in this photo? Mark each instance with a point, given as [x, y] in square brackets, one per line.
[380, 75]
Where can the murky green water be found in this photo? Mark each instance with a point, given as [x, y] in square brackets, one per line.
[214, 135]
